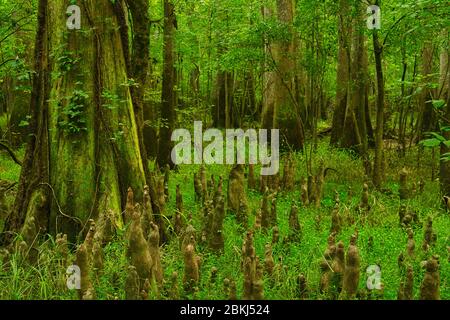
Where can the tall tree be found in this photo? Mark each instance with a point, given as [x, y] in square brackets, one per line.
[343, 71]
[280, 108]
[355, 124]
[378, 168]
[427, 119]
[139, 68]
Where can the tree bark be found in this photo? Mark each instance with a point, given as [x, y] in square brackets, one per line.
[150, 117]
[355, 127]
[427, 121]
[224, 99]
[281, 110]
[359, 95]
[343, 72]
[444, 178]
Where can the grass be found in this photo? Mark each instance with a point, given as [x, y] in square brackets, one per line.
[45, 280]
[9, 170]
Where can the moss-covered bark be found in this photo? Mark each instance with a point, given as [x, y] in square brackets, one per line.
[354, 134]
[378, 162]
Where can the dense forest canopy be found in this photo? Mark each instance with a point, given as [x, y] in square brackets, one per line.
[92, 93]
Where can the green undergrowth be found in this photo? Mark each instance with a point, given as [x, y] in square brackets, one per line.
[9, 170]
[45, 280]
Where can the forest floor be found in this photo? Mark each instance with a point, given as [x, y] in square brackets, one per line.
[45, 280]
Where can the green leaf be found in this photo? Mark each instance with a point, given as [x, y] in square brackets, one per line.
[437, 136]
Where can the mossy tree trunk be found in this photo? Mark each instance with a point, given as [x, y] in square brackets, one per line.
[269, 76]
[17, 104]
[85, 151]
[355, 127]
[150, 116]
[168, 86]
[280, 108]
[343, 72]
[138, 64]
[426, 120]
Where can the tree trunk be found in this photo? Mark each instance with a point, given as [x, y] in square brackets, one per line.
[269, 77]
[281, 109]
[343, 72]
[355, 127]
[168, 85]
[85, 151]
[370, 131]
[427, 121]
[250, 99]
[445, 165]
[17, 105]
[150, 133]
[444, 70]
